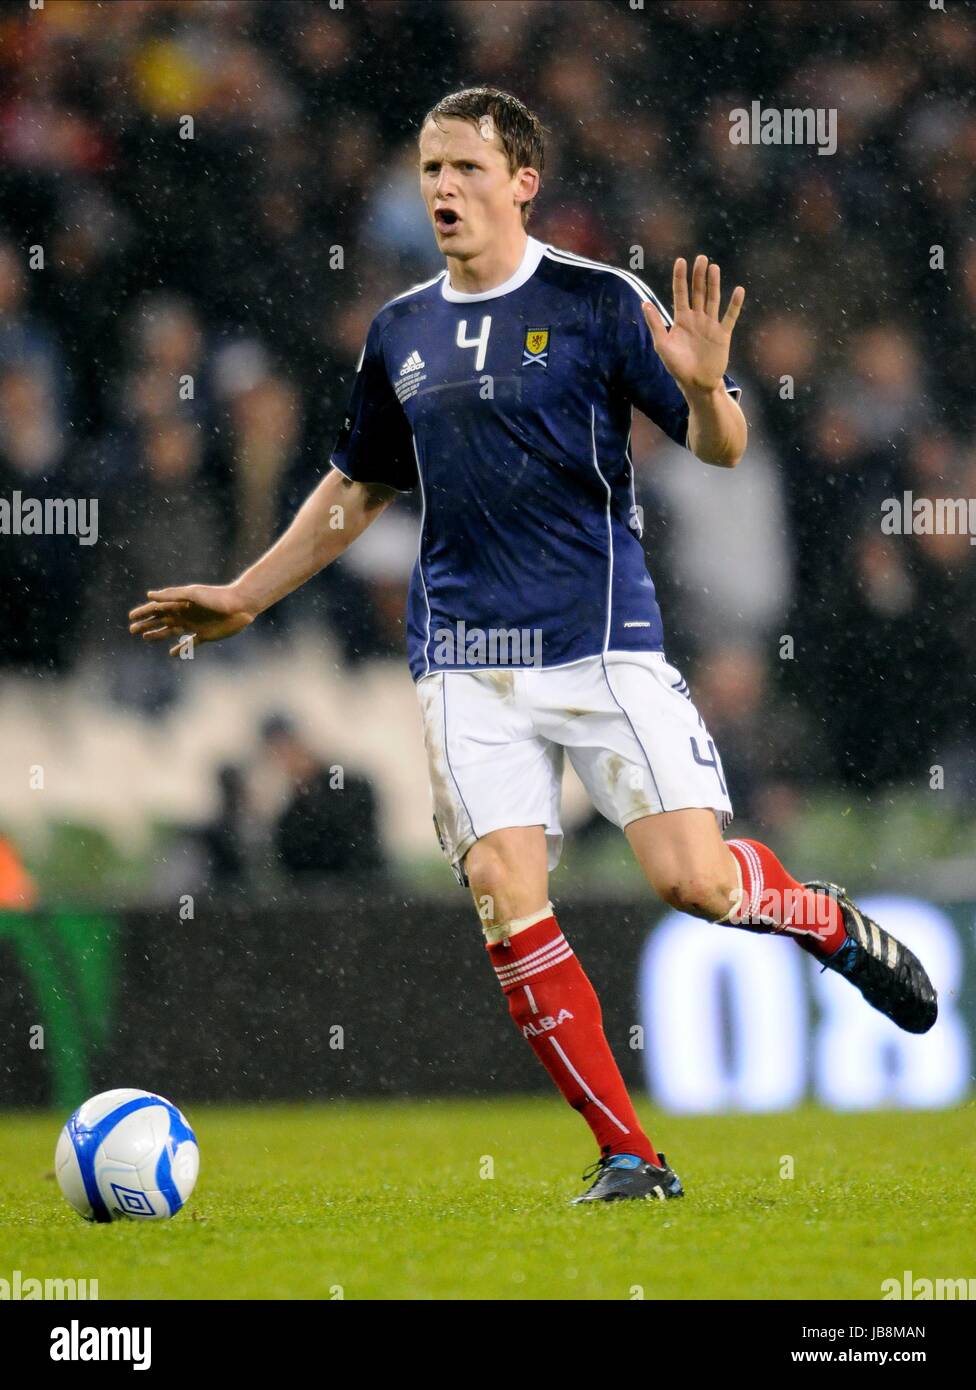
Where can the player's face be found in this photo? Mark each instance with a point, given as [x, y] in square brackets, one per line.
[467, 186]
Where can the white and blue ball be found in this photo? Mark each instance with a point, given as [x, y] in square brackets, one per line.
[127, 1153]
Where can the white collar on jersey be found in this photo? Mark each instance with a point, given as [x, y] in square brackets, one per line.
[530, 262]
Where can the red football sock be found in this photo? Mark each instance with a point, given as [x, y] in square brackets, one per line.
[556, 1009]
[773, 900]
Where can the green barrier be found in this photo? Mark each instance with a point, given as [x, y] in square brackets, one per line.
[68, 962]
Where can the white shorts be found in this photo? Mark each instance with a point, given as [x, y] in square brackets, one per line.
[496, 739]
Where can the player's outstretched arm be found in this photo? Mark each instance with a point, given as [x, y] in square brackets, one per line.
[328, 522]
[696, 352]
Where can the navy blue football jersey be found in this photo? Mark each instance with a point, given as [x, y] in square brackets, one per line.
[511, 410]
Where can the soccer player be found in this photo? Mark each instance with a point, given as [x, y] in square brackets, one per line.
[503, 389]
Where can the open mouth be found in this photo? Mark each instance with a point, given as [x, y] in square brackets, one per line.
[445, 219]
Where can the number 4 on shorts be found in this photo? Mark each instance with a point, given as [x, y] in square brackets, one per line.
[712, 762]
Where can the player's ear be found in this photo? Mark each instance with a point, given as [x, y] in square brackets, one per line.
[526, 185]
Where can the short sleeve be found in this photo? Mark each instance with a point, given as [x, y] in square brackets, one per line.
[375, 443]
[634, 366]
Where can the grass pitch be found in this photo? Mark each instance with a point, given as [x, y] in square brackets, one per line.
[392, 1200]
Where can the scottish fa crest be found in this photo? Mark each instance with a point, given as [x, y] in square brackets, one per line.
[536, 347]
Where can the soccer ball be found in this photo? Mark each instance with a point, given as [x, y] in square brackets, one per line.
[127, 1153]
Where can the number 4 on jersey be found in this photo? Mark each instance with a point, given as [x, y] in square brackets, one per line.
[481, 342]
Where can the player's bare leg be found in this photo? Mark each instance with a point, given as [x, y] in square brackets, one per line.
[686, 861]
[741, 883]
[556, 1009]
[509, 877]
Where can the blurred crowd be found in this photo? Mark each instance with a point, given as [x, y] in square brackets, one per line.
[182, 303]
[285, 819]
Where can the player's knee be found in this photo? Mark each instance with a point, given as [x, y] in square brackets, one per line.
[488, 876]
[701, 894]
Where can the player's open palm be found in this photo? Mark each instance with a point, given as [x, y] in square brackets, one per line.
[207, 612]
[696, 349]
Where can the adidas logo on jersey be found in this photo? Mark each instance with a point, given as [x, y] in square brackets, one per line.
[414, 363]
